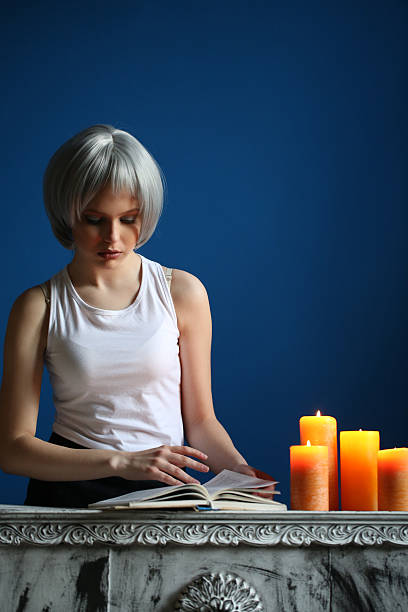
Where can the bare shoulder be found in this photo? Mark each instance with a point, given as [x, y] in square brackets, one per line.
[187, 286]
[189, 296]
[29, 309]
[30, 301]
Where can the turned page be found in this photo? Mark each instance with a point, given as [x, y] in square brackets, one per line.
[233, 480]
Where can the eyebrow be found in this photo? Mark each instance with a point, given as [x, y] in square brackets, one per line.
[126, 212]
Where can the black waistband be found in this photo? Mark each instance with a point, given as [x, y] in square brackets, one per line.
[60, 441]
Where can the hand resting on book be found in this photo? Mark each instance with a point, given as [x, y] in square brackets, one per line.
[163, 463]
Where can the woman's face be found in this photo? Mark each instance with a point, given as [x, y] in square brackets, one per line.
[109, 228]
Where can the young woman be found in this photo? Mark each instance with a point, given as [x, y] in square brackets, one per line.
[126, 342]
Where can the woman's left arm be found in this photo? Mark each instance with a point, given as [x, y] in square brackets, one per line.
[202, 428]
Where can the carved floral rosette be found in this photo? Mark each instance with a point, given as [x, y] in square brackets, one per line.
[219, 592]
[47, 533]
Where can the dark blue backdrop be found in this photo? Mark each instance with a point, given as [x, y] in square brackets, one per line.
[282, 130]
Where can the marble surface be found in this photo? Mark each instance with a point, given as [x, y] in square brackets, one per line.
[92, 560]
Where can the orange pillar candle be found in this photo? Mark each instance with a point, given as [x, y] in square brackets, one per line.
[322, 431]
[309, 477]
[358, 467]
[393, 479]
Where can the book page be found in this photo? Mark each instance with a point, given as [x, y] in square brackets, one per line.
[224, 480]
[160, 493]
[236, 506]
[242, 495]
[233, 480]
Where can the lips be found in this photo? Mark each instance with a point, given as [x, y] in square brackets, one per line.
[109, 254]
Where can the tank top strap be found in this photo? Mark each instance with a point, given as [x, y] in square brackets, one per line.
[46, 291]
[168, 274]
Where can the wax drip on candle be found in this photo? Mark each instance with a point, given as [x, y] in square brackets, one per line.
[308, 443]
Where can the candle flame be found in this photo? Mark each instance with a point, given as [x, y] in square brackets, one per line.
[308, 443]
[360, 430]
[318, 413]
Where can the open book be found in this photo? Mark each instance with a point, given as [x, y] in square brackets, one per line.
[226, 491]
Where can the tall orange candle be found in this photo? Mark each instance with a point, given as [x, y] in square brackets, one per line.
[358, 468]
[393, 479]
[322, 431]
[309, 477]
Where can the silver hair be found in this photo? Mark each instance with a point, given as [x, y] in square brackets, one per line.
[98, 156]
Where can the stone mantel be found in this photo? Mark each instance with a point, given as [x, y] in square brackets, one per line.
[64, 560]
[50, 527]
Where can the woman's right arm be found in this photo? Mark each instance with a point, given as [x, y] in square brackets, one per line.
[23, 454]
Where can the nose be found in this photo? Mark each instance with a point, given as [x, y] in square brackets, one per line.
[111, 232]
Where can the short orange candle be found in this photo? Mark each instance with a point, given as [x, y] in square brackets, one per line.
[309, 477]
[393, 479]
[358, 467]
[322, 431]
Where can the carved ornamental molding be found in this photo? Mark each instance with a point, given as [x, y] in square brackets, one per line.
[196, 533]
[219, 592]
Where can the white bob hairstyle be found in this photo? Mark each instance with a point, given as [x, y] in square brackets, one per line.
[96, 157]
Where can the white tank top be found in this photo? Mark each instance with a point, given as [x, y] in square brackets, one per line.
[116, 374]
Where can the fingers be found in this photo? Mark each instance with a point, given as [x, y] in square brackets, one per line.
[251, 471]
[179, 457]
[182, 461]
[167, 463]
[188, 450]
[181, 475]
[169, 480]
[170, 474]
[263, 475]
[264, 494]
[259, 474]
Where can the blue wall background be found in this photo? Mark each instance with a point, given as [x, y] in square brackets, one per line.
[282, 130]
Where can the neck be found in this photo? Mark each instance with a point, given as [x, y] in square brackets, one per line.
[105, 273]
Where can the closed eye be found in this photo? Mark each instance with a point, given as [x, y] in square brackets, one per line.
[128, 219]
[96, 220]
[92, 220]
